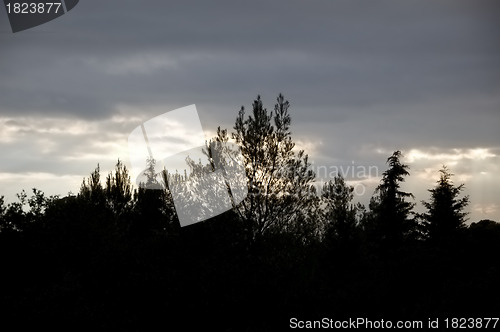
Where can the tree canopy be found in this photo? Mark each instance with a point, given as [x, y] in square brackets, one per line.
[115, 257]
[445, 210]
[390, 217]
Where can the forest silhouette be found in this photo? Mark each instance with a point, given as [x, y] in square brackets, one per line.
[114, 257]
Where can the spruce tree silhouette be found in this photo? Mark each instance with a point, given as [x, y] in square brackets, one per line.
[390, 219]
[339, 212]
[445, 210]
[153, 205]
[118, 190]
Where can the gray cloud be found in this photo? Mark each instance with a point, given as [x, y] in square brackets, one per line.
[361, 76]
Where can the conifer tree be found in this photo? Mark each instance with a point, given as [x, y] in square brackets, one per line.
[390, 213]
[445, 210]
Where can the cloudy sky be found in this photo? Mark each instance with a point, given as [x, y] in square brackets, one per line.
[364, 78]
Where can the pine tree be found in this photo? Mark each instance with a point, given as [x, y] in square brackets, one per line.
[91, 189]
[445, 210]
[153, 201]
[339, 212]
[390, 214]
[280, 195]
[119, 189]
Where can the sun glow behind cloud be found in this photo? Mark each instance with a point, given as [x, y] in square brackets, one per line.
[71, 148]
[476, 168]
[452, 156]
[139, 63]
[54, 154]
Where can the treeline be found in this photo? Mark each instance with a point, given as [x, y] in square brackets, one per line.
[115, 257]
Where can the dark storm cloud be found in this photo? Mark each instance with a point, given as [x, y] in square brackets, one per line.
[320, 53]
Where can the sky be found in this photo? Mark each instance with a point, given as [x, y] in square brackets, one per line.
[364, 78]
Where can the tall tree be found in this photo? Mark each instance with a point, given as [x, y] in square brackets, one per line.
[118, 189]
[339, 212]
[153, 201]
[445, 210]
[391, 215]
[91, 189]
[280, 195]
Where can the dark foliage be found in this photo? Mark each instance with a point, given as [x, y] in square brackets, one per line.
[115, 258]
[445, 214]
[390, 219]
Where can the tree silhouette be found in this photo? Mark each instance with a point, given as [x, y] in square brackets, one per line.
[280, 195]
[118, 190]
[17, 216]
[91, 189]
[3, 222]
[339, 212]
[445, 210]
[211, 186]
[153, 204]
[390, 214]
[115, 258]
[12, 216]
